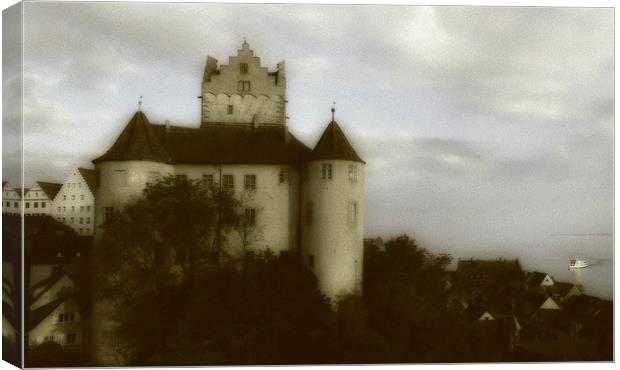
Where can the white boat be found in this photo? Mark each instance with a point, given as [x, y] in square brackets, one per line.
[577, 263]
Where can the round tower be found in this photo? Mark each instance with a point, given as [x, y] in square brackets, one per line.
[332, 219]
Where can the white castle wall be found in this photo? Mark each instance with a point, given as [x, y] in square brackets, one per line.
[332, 239]
[259, 110]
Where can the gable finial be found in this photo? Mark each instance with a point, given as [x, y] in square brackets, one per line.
[140, 103]
[333, 110]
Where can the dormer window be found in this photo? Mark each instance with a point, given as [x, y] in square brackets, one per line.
[243, 68]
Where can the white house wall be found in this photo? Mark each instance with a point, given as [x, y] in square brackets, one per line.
[10, 200]
[74, 204]
[52, 327]
[37, 202]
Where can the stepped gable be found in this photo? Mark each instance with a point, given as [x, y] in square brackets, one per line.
[50, 188]
[226, 144]
[333, 144]
[90, 176]
[136, 142]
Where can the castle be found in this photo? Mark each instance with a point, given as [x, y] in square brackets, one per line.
[295, 198]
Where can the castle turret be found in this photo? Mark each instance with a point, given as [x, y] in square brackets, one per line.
[243, 93]
[332, 213]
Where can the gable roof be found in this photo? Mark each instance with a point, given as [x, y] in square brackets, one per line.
[141, 140]
[39, 314]
[485, 272]
[561, 289]
[90, 178]
[50, 188]
[136, 142]
[535, 278]
[333, 144]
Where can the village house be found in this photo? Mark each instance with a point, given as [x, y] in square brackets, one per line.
[39, 198]
[74, 204]
[11, 199]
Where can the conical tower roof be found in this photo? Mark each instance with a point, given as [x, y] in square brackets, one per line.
[136, 142]
[333, 144]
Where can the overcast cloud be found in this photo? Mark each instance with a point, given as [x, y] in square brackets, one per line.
[482, 128]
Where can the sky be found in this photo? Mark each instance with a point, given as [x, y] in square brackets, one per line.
[486, 130]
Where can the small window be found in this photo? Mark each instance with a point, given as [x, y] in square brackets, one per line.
[353, 212]
[88, 220]
[250, 182]
[81, 220]
[73, 209]
[72, 220]
[42, 204]
[82, 197]
[243, 68]
[108, 213]
[71, 338]
[61, 317]
[81, 208]
[283, 176]
[308, 212]
[326, 171]
[8, 204]
[64, 209]
[64, 197]
[59, 209]
[228, 181]
[81, 231]
[352, 173]
[250, 216]
[73, 197]
[243, 86]
[230, 109]
[15, 205]
[36, 204]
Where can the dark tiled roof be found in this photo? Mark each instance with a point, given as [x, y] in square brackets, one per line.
[49, 188]
[141, 140]
[535, 278]
[480, 273]
[42, 312]
[226, 144]
[333, 144]
[90, 178]
[136, 142]
[560, 289]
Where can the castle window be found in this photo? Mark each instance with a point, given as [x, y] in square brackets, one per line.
[352, 173]
[108, 213]
[243, 86]
[64, 209]
[87, 208]
[243, 68]
[308, 212]
[250, 216]
[36, 204]
[120, 177]
[311, 260]
[81, 208]
[87, 220]
[81, 220]
[250, 182]
[228, 181]
[72, 209]
[230, 109]
[283, 177]
[326, 171]
[61, 317]
[71, 338]
[353, 212]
